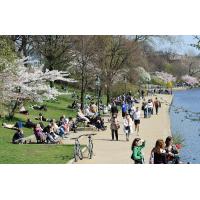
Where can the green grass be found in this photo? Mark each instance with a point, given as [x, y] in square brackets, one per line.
[36, 153]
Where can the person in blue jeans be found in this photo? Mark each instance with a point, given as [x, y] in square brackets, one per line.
[124, 109]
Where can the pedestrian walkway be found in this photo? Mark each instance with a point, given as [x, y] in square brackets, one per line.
[118, 152]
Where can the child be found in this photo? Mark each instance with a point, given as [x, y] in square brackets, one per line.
[137, 147]
[128, 126]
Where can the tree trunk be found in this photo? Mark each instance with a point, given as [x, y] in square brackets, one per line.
[108, 94]
[12, 112]
[82, 92]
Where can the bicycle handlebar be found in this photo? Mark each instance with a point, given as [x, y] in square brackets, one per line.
[83, 135]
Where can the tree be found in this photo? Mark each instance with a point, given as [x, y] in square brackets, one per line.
[113, 57]
[23, 45]
[6, 52]
[20, 83]
[55, 50]
[165, 77]
[190, 80]
[84, 53]
[144, 76]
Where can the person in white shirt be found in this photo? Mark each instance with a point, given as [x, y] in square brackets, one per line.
[133, 109]
[128, 123]
[150, 107]
[137, 119]
[82, 116]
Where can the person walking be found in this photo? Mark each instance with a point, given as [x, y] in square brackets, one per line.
[150, 108]
[156, 104]
[124, 109]
[114, 126]
[128, 123]
[142, 93]
[114, 109]
[136, 148]
[137, 119]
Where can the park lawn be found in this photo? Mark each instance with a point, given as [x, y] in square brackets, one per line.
[37, 153]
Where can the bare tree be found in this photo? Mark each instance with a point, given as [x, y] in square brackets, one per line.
[84, 53]
[114, 53]
[55, 50]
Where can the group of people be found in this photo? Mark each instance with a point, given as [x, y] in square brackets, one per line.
[163, 152]
[130, 114]
[52, 133]
[148, 107]
[91, 116]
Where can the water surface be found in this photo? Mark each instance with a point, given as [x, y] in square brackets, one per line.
[185, 121]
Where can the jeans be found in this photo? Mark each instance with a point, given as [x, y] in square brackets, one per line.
[156, 107]
[114, 133]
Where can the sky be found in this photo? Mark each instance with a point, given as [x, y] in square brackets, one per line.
[179, 44]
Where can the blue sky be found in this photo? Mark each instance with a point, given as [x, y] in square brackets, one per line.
[179, 44]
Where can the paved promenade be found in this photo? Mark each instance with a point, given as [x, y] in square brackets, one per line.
[118, 152]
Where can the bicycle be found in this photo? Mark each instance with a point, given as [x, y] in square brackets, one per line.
[77, 149]
[90, 145]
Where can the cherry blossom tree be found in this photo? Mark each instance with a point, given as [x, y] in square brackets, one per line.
[190, 80]
[20, 83]
[165, 77]
[144, 76]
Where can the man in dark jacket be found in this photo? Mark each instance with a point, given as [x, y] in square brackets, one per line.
[18, 137]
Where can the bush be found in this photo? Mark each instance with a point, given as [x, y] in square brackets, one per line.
[178, 139]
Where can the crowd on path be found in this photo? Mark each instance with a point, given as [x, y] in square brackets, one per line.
[164, 152]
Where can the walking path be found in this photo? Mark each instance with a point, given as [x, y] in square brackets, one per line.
[118, 152]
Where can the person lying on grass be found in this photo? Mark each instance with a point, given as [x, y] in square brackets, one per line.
[42, 118]
[17, 125]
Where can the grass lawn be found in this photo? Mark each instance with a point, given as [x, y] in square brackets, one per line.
[36, 153]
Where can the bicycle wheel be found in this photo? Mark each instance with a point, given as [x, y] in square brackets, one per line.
[90, 150]
[80, 154]
[75, 154]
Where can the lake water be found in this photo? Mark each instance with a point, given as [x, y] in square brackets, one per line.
[185, 121]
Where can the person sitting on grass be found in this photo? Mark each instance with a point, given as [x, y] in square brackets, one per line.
[18, 137]
[42, 118]
[72, 125]
[40, 136]
[50, 136]
[136, 148]
[29, 124]
[82, 116]
[54, 126]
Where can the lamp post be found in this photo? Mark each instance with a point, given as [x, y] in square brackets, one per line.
[98, 84]
[125, 82]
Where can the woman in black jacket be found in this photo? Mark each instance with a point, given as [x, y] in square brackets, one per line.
[158, 154]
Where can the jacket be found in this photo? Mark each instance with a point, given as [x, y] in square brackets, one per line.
[137, 152]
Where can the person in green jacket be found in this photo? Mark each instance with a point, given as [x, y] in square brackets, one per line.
[137, 147]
